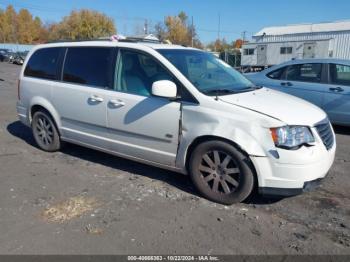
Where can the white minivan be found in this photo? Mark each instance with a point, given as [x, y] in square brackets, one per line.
[176, 108]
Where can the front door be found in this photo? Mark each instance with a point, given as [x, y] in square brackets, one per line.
[141, 125]
[337, 96]
[261, 55]
[309, 50]
[80, 97]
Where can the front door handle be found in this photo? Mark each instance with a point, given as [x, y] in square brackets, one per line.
[336, 89]
[286, 84]
[117, 102]
[95, 98]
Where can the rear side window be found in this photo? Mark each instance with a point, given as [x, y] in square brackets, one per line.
[43, 63]
[89, 66]
[277, 74]
[340, 74]
[305, 73]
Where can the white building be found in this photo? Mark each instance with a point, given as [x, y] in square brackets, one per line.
[274, 45]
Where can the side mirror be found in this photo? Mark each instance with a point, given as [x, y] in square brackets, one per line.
[164, 88]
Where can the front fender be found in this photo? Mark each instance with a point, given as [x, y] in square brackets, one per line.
[240, 131]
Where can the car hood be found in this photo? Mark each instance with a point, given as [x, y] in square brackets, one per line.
[287, 108]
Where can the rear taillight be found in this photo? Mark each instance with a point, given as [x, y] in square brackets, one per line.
[19, 89]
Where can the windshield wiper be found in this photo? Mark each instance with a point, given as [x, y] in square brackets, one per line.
[219, 91]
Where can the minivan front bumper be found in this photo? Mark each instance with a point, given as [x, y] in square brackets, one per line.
[273, 191]
[276, 177]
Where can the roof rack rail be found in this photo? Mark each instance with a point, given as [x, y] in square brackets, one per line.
[77, 40]
[137, 39]
[130, 39]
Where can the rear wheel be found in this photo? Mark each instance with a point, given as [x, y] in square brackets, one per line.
[45, 132]
[221, 173]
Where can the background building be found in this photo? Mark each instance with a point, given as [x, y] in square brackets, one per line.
[274, 45]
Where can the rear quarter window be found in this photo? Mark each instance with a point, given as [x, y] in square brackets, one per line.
[43, 63]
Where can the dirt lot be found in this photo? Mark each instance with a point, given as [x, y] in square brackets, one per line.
[79, 201]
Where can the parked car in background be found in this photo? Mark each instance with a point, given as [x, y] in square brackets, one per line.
[177, 108]
[323, 82]
[19, 58]
[11, 57]
[4, 55]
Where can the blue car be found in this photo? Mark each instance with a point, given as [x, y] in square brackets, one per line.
[323, 82]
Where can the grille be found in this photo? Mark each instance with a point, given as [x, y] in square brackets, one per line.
[326, 134]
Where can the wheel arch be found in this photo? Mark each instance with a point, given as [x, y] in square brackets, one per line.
[39, 103]
[205, 138]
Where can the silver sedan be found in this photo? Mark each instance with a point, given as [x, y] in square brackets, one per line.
[324, 82]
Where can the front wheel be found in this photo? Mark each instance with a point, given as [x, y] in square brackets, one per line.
[221, 173]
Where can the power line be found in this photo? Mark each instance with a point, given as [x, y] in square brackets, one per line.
[34, 7]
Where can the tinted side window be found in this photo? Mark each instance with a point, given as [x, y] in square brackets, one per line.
[305, 73]
[43, 63]
[137, 72]
[277, 74]
[340, 74]
[88, 66]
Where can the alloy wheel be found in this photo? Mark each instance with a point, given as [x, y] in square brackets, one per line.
[220, 172]
[44, 131]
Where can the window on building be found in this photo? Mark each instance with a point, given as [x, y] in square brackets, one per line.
[286, 50]
[43, 63]
[249, 51]
[88, 65]
[340, 74]
[304, 73]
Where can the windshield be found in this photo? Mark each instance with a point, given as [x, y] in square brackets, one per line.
[206, 72]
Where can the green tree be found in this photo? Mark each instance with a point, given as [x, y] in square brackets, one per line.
[83, 24]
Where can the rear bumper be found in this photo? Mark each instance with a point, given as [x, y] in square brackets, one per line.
[308, 186]
[22, 113]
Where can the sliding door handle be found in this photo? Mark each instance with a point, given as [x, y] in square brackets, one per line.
[117, 102]
[95, 98]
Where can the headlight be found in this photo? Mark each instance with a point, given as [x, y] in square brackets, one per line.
[291, 137]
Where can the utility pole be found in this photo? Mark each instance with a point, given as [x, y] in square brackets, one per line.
[146, 27]
[219, 26]
[243, 36]
[192, 32]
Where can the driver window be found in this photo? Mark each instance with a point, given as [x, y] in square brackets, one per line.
[136, 72]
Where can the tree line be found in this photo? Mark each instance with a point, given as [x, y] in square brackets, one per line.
[22, 28]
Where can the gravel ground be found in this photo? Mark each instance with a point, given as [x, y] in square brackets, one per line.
[80, 201]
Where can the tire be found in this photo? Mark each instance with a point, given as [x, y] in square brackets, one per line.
[45, 132]
[221, 173]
